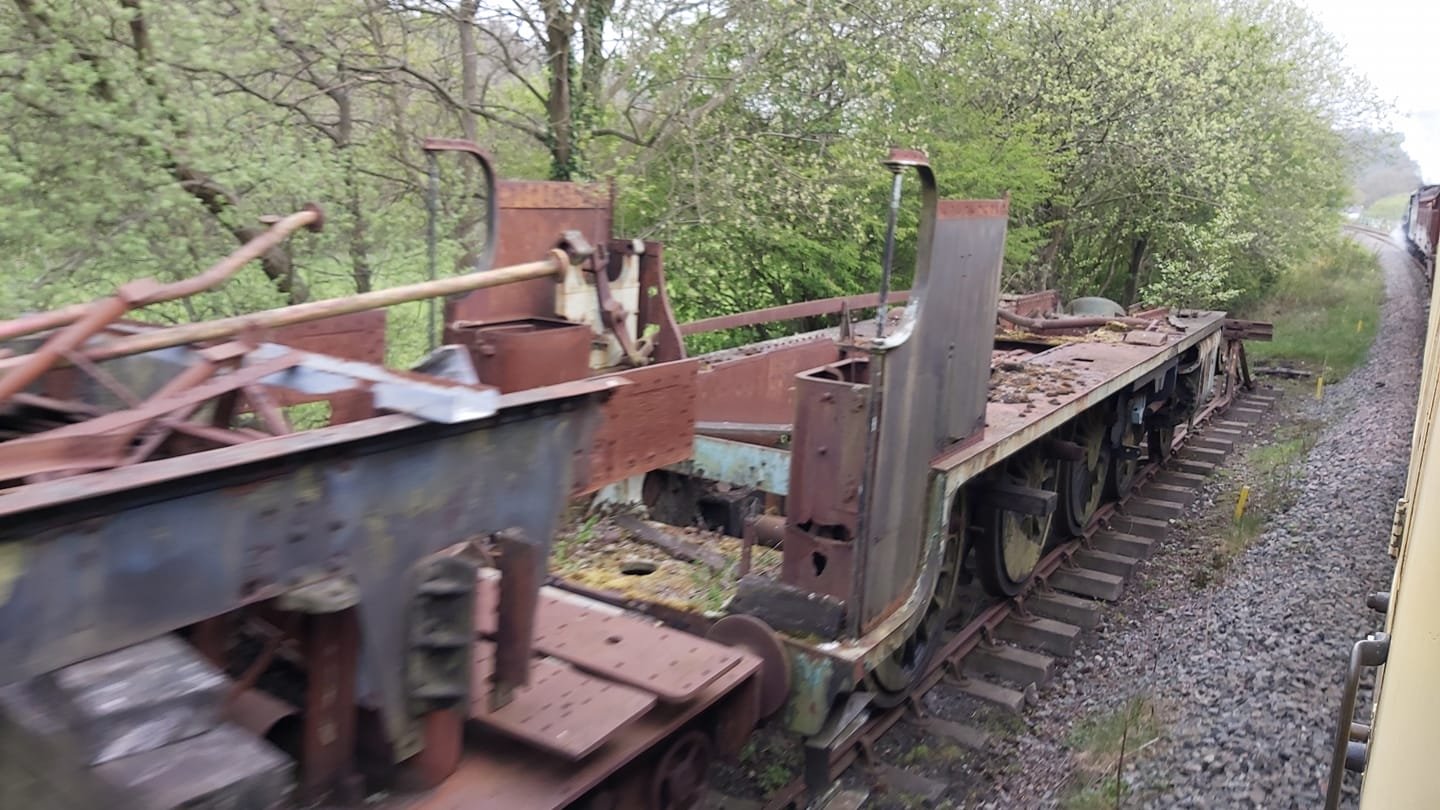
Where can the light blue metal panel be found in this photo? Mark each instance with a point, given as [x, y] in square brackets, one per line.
[747, 465]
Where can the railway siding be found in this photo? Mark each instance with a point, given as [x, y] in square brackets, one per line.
[1243, 662]
[942, 750]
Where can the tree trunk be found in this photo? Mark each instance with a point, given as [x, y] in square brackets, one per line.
[1137, 264]
[469, 68]
[219, 201]
[559, 65]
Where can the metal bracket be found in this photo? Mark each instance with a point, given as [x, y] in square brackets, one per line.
[1397, 527]
[1371, 652]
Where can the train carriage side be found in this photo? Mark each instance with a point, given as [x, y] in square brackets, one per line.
[1395, 753]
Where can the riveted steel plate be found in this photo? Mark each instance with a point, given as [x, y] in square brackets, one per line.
[562, 710]
[606, 642]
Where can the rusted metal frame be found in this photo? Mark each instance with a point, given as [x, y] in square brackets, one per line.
[1236, 329]
[882, 639]
[118, 428]
[332, 644]
[300, 313]
[929, 380]
[176, 421]
[154, 293]
[1071, 321]
[964, 457]
[601, 642]
[291, 515]
[513, 776]
[68, 407]
[177, 394]
[106, 380]
[655, 309]
[789, 312]
[647, 424]
[613, 316]
[265, 407]
[27, 368]
[43, 454]
[486, 260]
[522, 571]
[967, 639]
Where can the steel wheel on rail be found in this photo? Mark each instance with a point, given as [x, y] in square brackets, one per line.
[1126, 464]
[893, 679]
[1012, 544]
[1082, 484]
[678, 781]
[1161, 441]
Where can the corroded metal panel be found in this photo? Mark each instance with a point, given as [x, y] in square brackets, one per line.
[739, 463]
[756, 383]
[933, 375]
[96, 562]
[644, 425]
[533, 215]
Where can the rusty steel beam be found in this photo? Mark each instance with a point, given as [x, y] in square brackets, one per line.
[788, 312]
[301, 313]
[47, 454]
[182, 392]
[311, 217]
[29, 367]
[1070, 321]
[522, 572]
[102, 561]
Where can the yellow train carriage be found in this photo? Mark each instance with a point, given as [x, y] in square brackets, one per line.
[1397, 754]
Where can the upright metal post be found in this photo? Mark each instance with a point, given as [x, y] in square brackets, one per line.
[895, 183]
[432, 213]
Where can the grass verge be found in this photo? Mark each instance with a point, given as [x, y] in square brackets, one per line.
[1325, 313]
[1273, 474]
[1101, 745]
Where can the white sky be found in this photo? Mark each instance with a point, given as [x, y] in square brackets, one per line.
[1395, 43]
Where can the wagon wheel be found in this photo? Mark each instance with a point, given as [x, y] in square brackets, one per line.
[1013, 543]
[1126, 466]
[892, 680]
[1161, 441]
[1082, 484]
[679, 777]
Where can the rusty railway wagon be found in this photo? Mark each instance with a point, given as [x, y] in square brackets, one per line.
[1421, 227]
[202, 606]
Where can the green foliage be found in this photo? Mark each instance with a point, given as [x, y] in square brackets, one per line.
[1101, 743]
[1169, 152]
[1325, 311]
[1389, 209]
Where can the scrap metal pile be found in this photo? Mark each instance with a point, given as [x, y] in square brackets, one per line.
[201, 605]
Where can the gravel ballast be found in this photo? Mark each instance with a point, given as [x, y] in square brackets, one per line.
[1246, 672]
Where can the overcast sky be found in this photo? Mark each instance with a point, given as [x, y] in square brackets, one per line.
[1395, 43]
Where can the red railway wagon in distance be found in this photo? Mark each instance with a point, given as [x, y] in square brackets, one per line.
[1422, 227]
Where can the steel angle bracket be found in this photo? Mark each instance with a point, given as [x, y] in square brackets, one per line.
[434, 400]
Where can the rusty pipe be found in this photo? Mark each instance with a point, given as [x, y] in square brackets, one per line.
[31, 366]
[769, 529]
[314, 310]
[311, 216]
[1069, 321]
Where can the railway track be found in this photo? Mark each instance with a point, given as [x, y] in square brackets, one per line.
[1014, 642]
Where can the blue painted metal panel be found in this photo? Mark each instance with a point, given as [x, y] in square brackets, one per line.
[749, 465]
[94, 563]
